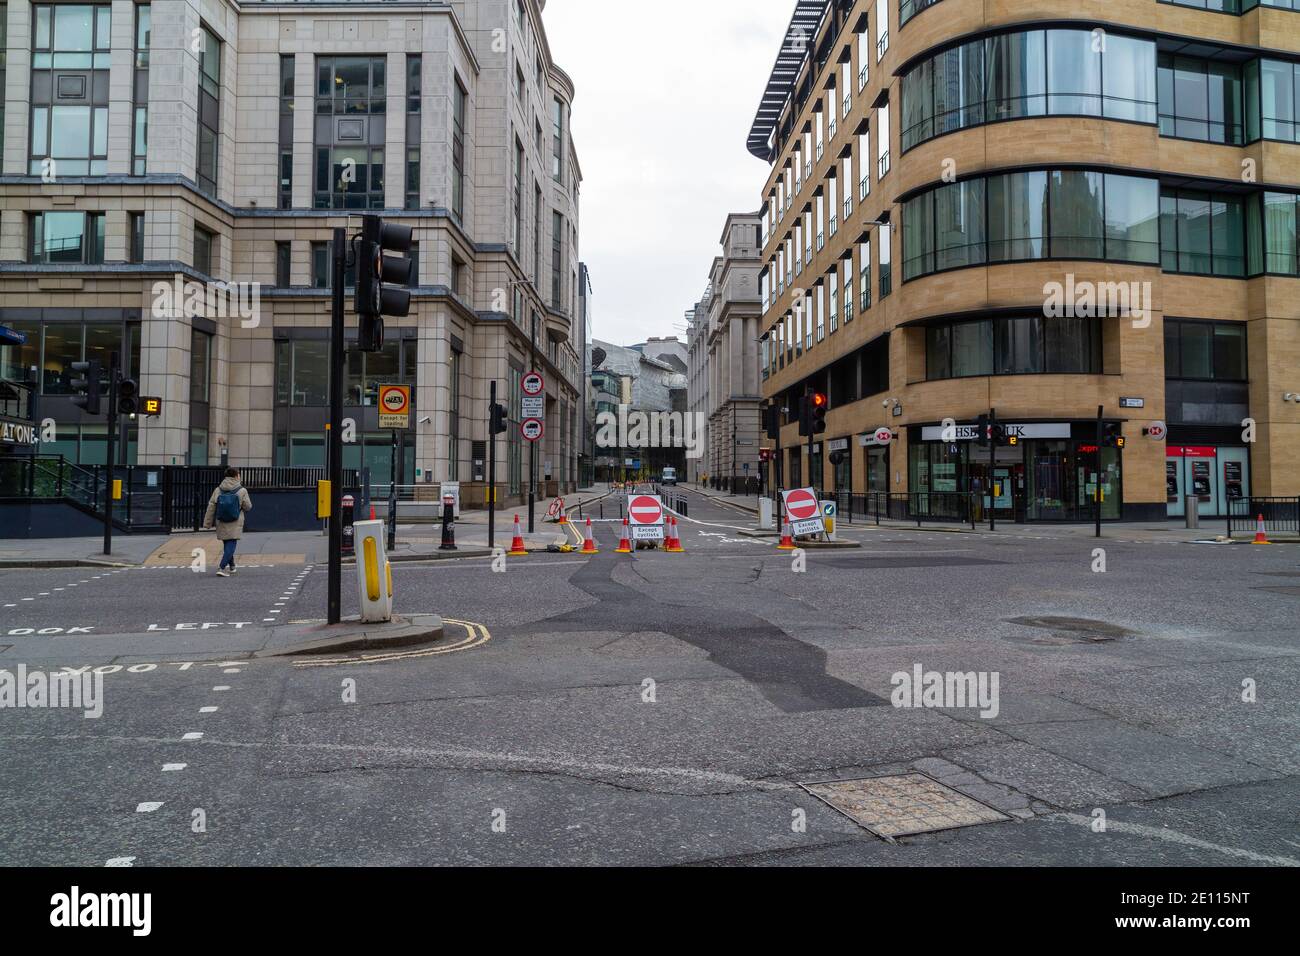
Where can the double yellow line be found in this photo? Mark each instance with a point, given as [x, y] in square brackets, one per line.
[476, 635]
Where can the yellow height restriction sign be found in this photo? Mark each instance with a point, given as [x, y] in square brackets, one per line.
[394, 406]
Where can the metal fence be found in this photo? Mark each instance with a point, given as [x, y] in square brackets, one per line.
[1281, 515]
[952, 507]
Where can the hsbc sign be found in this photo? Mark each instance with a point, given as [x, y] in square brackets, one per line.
[971, 432]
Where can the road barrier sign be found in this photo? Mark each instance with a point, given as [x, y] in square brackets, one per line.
[645, 515]
[803, 511]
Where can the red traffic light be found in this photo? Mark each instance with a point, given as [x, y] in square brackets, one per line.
[819, 400]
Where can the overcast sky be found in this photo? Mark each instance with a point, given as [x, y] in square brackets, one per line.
[666, 93]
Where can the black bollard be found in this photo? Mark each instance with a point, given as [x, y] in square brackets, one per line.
[448, 524]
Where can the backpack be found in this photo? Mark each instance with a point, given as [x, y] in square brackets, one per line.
[228, 509]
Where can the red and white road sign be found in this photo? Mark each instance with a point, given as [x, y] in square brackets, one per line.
[884, 436]
[533, 384]
[645, 509]
[532, 429]
[803, 511]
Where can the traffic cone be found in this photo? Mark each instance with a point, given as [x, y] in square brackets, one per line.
[564, 517]
[589, 542]
[674, 542]
[517, 548]
[624, 542]
[1261, 536]
[787, 539]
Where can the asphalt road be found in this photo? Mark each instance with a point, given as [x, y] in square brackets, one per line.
[666, 708]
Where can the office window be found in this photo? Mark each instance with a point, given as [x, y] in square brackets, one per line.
[1202, 233]
[135, 223]
[882, 141]
[350, 97]
[1200, 99]
[200, 365]
[413, 66]
[203, 243]
[4, 40]
[557, 260]
[459, 106]
[885, 252]
[910, 8]
[287, 67]
[69, 90]
[517, 200]
[321, 268]
[1271, 224]
[1017, 226]
[557, 139]
[413, 281]
[882, 29]
[66, 237]
[1021, 345]
[453, 417]
[457, 276]
[1205, 351]
[140, 97]
[1272, 95]
[537, 232]
[283, 264]
[209, 109]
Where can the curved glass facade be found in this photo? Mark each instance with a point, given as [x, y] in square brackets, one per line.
[1034, 214]
[1015, 345]
[1030, 73]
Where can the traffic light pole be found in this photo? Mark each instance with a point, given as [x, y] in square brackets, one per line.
[492, 467]
[993, 458]
[108, 469]
[532, 445]
[1096, 491]
[338, 359]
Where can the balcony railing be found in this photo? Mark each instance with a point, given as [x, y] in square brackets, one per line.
[882, 165]
[835, 225]
[882, 45]
[821, 149]
[821, 241]
[834, 127]
[862, 79]
[864, 300]
[807, 256]
[864, 188]
[807, 169]
[848, 104]
[848, 311]
[848, 207]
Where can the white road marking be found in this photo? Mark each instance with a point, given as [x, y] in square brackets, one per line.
[207, 710]
[1174, 836]
[222, 687]
[170, 767]
[232, 670]
[193, 735]
[148, 807]
[120, 861]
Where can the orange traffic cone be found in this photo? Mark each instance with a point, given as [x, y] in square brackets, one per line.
[564, 517]
[674, 542]
[624, 542]
[787, 539]
[589, 542]
[517, 548]
[1261, 536]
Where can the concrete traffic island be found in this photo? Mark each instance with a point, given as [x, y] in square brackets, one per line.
[307, 640]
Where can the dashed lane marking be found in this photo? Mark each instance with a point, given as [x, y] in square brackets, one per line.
[148, 807]
[193, 735]
[173, 767]
[120, 861]
[207, 710]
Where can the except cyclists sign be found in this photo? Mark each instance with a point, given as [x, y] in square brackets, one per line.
[803, 511]
[645, 516]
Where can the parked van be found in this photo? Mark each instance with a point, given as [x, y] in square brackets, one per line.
[669, 477]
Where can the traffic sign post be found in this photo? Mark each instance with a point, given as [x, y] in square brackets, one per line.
[645, 517]
[533, 386]
[803, 511]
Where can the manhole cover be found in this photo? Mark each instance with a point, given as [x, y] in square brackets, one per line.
[1075, 629]
[903, 804]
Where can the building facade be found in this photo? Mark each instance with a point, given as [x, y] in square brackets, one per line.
[628, 384]
[1037, 210]
[151, 148]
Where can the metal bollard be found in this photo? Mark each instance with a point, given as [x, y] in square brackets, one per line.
[448, 524]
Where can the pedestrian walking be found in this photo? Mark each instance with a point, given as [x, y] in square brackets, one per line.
[226, 508]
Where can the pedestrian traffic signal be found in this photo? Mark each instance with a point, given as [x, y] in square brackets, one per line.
[1113, 436]
[88, 386]
[381, 279]
[128, 397]
[498, 416]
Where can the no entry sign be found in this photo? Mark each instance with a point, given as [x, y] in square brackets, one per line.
[803, 511]
[645, 516]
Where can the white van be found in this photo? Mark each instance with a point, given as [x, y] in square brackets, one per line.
[669, 477]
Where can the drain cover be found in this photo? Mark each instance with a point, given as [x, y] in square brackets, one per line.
[903, 805]
[1078, 629]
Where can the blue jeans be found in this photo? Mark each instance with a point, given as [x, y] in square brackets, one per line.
[228, 555]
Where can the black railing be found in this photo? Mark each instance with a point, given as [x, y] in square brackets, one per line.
[1280, 515]
[952, 507]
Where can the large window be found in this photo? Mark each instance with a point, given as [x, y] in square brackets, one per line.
[557, 261]
[1034, 73]
[200, 365]
[1205, 351]
[1200, 99]
[287, 68]
[1202, 233]
[910, 8]
[1060, 214]
[413, 95]
[1020, 345]
[66, 237]
[203, 243]
[1271, 225]
[209, 108]
[459, 106]
[350, 97]
[557, 139]
[1272, 100]
[140, 121]
[69, 90]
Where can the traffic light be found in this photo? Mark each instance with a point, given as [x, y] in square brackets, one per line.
[998, 434]
[128, 397]
[498, 415]
[88, 385]
[982, 430]
[818, 405]
[772, 420]
[1113, 436]
[381, 279]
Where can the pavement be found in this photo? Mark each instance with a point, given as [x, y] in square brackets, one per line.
[659, 708]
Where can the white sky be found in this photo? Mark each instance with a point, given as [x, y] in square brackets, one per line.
[666, 93]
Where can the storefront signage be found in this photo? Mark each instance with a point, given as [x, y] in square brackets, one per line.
[880, 437]
[1191, 451]
[1157, 431]
[971, 432]
[838, 444]
[14, 432]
